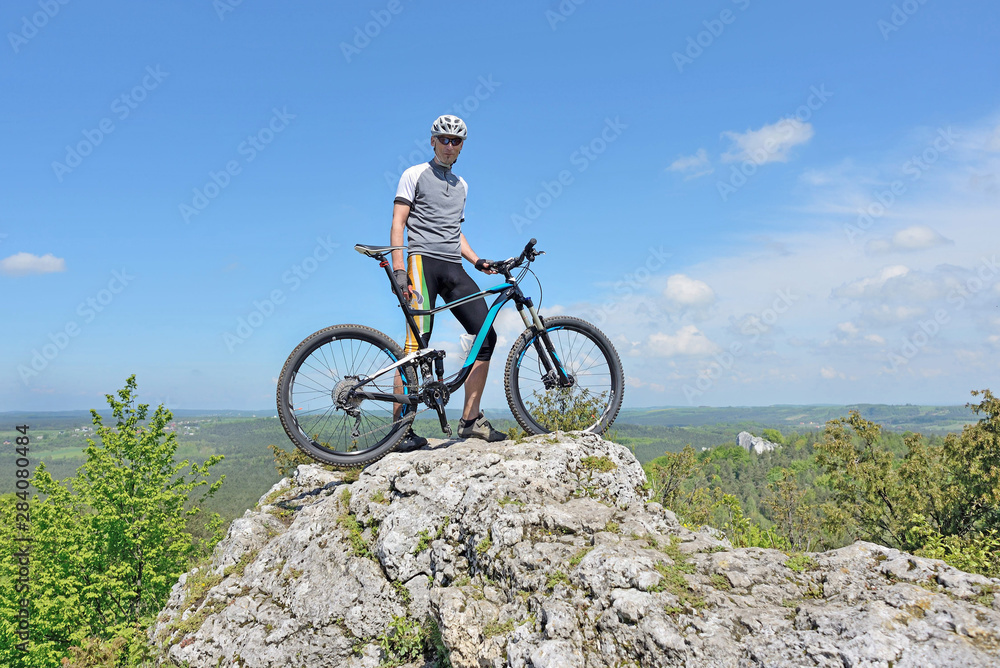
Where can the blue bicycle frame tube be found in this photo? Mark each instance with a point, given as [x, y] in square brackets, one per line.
[485, 329]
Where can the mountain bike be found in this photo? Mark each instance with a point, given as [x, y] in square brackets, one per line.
[348, 394]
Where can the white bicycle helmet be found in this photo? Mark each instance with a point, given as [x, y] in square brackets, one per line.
[449, 125]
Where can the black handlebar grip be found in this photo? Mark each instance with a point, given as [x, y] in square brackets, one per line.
[532, 242]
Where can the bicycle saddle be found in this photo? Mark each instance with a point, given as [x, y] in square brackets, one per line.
[375, 251]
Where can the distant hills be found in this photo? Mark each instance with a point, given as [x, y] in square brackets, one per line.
[925, 419]
[908, 417]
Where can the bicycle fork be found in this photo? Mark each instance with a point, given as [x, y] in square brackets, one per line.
[555, 374]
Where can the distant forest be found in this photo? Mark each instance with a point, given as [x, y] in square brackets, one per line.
[250, 471]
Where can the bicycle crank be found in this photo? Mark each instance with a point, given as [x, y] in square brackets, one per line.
[436, 395]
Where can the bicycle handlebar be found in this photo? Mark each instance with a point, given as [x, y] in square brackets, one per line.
[529, 253]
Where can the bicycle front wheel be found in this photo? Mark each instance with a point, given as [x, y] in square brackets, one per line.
[593, 400]
[315, 404]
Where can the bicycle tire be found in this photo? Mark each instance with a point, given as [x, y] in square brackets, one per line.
[591, 404]
[312, 375]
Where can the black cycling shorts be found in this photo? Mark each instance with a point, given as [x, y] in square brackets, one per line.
[431, 277]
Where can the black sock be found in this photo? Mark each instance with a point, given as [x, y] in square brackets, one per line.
[466, 423]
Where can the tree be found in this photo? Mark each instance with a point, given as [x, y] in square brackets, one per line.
[110, 542]
[667, 473]
[793, 514]
[939, 501]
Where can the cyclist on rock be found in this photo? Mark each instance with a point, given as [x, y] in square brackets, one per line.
[430, 207]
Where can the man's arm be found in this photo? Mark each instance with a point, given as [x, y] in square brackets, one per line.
[467, 251]
[471, 256]
[400, 212]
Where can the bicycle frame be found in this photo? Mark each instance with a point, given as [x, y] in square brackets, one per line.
[508, 291]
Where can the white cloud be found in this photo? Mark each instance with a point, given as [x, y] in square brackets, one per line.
[694, 165]
[917, 237]
[23, 264]
[867, 287]
[635, 381]
[887, 315]
[686, 291]
[829, 373]
[848, 328]
[688, 340]
[876, 339]
[769, 144]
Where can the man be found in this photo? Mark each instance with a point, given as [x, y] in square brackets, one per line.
[430, 206]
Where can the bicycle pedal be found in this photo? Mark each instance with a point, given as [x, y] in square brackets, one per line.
[447, 430]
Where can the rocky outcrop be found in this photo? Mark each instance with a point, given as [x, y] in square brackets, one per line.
[756, 444]
[545, 553]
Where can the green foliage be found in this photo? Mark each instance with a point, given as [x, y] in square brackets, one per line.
[287, 461]
[349, 522]
[795, 517]
[974, 553]
[601, 464]
[772, 435]
[744, 532]
[555, 578]
[109, 542]
[566, 409]
[496, 628]
[954, 488]
[939, 501]
[131, 648]
[402, 642]
[799, 562]
[426, 538]
[667, 473]
[484, 545]
[578, 557]
[435, 644]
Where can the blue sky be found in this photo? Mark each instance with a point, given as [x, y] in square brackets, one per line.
[762, 202]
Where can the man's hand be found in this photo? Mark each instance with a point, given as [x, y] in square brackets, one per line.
[485, 266]
[403, 281]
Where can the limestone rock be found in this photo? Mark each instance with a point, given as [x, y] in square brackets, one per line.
[756, 444]
[547, 553]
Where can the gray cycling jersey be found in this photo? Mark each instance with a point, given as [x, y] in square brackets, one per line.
[436, 197]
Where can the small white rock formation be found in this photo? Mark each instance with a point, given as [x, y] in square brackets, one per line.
[547, 554]
[749, 442]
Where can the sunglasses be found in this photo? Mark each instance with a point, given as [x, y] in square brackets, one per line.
[454, 141]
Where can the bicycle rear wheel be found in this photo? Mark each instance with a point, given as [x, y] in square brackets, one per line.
[314, 401]
[587, 355]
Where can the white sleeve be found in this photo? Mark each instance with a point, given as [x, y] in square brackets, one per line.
[407, 188]
[462, 219]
